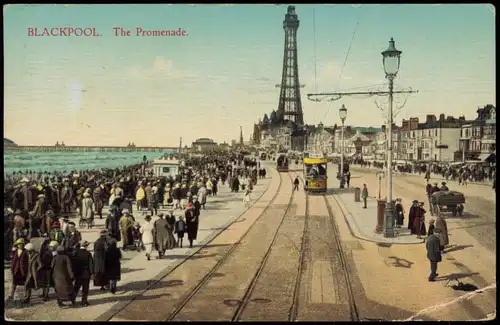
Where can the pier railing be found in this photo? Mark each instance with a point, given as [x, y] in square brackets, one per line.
[88, 149]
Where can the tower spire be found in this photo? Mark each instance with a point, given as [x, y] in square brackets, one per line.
[290, 105]
[241, 136]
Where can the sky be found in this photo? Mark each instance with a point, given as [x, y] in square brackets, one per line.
[110, 90]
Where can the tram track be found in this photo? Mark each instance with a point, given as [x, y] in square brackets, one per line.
[116, 312]
[196, 293]
[342, 258]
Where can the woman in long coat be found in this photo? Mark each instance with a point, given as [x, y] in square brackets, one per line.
[163, 234]
[88, 209]
[100, 245]
[112, 264]
[443, 234]
[98, 201]
[63, 276]
[191, 224]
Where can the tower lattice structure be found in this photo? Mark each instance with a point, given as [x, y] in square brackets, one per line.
[290, 105]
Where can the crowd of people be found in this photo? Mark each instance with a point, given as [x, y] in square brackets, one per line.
[463, 173]
[45, 247]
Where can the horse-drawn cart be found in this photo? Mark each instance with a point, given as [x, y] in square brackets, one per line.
[448, 201]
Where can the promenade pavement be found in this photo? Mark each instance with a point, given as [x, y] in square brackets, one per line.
[362, 222]
[405, 268]
[138, 273]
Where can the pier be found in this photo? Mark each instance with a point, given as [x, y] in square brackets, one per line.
[88, 149]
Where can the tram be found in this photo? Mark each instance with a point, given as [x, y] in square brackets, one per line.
[315, 175]
[282, 163]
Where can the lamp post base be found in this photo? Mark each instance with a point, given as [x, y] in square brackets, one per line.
[389, 221]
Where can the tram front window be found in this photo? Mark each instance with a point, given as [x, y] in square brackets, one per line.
[317, 171]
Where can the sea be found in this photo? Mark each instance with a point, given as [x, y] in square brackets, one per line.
[15, 161]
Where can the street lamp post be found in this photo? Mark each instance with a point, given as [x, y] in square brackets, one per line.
[391, 60]
[343, 115]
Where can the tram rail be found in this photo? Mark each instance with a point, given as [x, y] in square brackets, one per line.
[191, 295]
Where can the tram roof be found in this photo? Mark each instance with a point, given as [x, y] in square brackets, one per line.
[315, 161]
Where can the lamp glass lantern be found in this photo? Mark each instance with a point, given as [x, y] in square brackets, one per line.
[391, 59]
[343, 113]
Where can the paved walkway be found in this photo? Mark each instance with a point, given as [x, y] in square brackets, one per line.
[362, 222]
[137, 272]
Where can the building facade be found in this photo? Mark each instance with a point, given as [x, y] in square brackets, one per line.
[204, 144]
[478, 138]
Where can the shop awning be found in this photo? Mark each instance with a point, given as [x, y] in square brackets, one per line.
[488, 157]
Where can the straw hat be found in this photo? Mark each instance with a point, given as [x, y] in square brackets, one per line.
[19, 241]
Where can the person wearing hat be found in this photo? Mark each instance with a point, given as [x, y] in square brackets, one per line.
[180, 229]
[97, 196]
[419, 220]
[32, 274]
[87, 211]
[56, 234]
[364, 195]
[27, 195]
[191, 224]
[163, 235]
[411, 215]
[46, 253]
[64, 224]
[125, 227]
[400, 213]
[72, 237]
[444, 187]
[147, 229]
[140, 197]
[63, 275]
[176, 196]
[100, 245]
[66, 197]
[19, 266]
[83, 268]
[433, 253]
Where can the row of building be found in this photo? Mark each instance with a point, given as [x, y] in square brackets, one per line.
[444, 139]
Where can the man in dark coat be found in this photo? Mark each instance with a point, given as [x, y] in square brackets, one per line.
[63, 276]
[433, 253]
[100, 246]
[72, 238]
[45, 273]
[83, 267]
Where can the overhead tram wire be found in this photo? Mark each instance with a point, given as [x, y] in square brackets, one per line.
[343, 67]
[315, 61]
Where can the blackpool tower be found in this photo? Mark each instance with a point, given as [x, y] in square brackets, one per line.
[290, 105]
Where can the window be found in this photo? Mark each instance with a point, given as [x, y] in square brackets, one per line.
[412, 134]
[435, 132]
[435, 143]
[428, 133]
[436, 157]
[166, 169]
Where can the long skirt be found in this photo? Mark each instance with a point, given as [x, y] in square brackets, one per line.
[415, 229]
[100, 280]
[148, 248]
